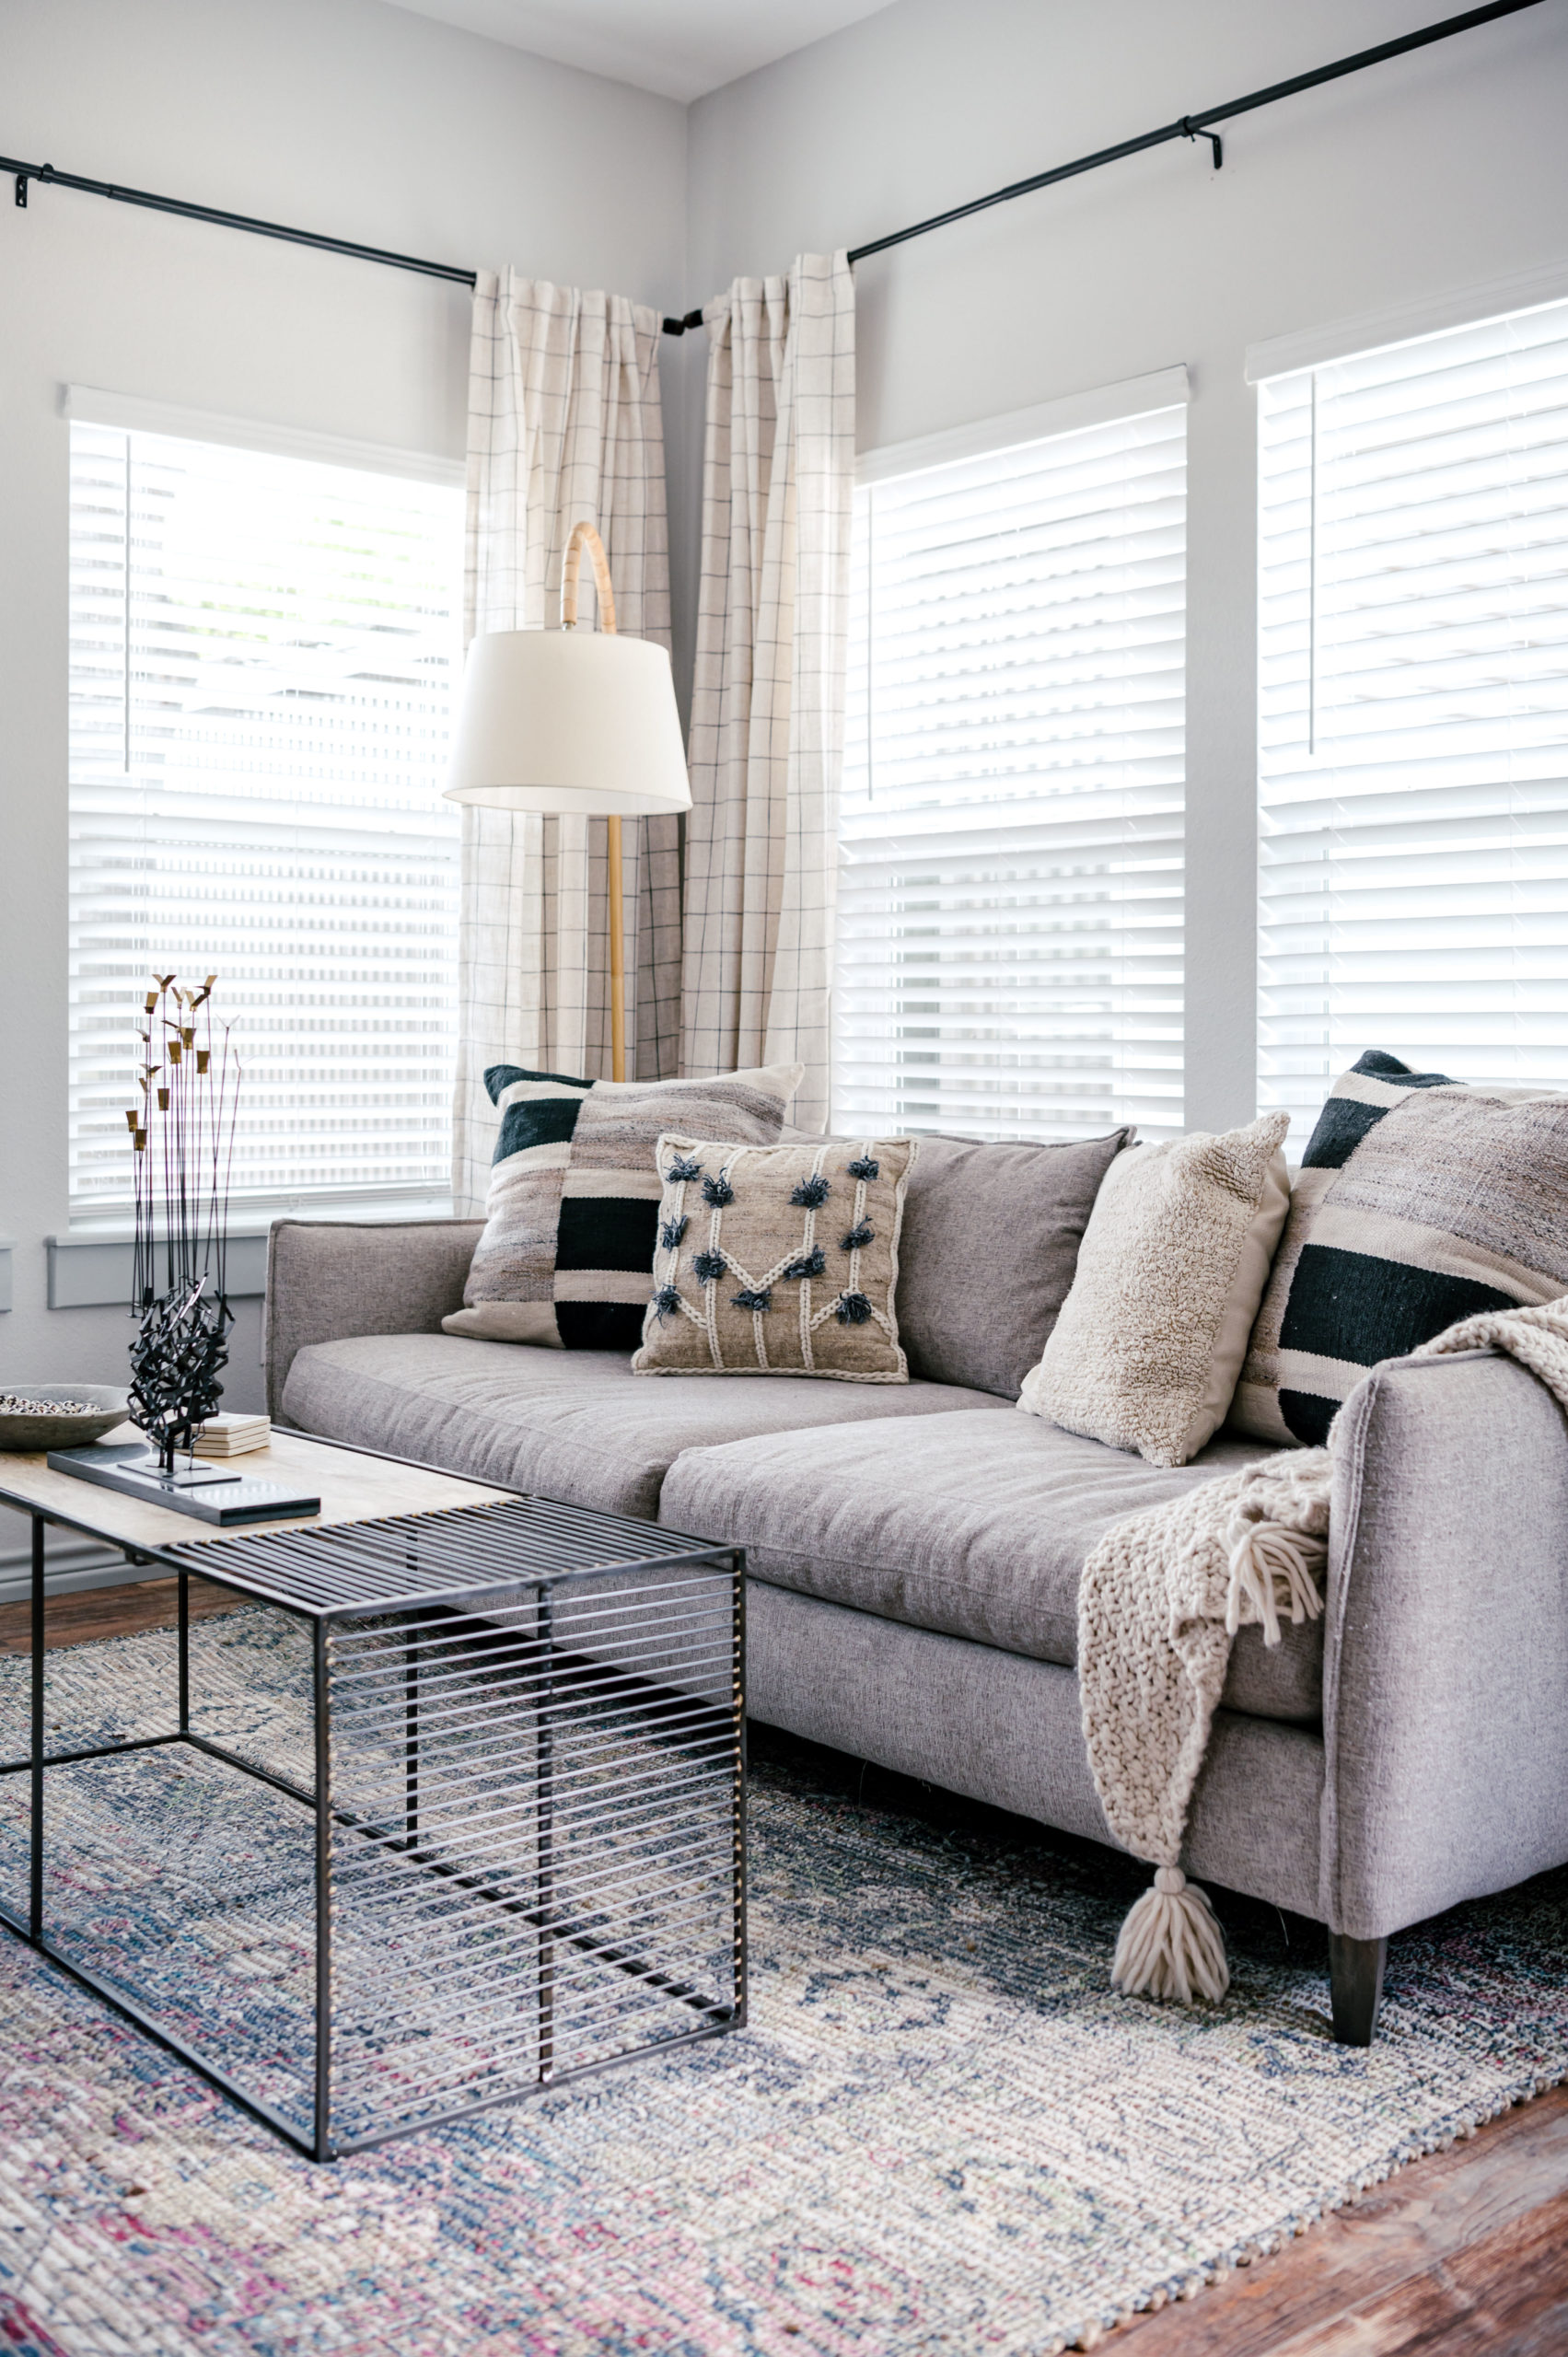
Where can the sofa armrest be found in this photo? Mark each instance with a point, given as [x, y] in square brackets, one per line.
[1445, 1659]
[330, 1278]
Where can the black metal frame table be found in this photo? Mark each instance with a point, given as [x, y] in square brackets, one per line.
[504, 1774]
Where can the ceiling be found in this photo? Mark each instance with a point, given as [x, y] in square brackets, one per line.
[679, 48]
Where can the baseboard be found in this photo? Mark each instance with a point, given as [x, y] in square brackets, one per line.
[69, 1568]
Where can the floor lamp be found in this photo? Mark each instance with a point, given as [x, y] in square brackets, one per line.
[557, 720]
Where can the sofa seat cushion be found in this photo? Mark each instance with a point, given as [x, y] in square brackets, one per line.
[976, 1526]
[572, 1424]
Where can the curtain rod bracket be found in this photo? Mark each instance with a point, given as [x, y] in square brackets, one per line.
[1191, 129]
[678, 327]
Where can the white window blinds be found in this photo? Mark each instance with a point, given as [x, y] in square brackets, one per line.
[1415, 707]
[1010, 898]
[264, 652]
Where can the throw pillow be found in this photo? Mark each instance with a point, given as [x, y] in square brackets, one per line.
[990, 1245]
[567, 1252]
[1418, 1201]
[1149, 1342]
[778, 1260]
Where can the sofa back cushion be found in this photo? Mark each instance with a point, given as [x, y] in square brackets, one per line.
[990, 1245]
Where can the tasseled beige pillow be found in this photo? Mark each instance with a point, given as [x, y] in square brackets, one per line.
[778, 1260]
[1150, 1342]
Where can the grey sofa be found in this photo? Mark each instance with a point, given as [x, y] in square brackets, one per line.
[915, 1555]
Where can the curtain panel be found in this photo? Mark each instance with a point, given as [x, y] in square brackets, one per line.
[767, 707]
[565, 423]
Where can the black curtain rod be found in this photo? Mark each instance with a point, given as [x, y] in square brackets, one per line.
[1187, 126]
[47, 177]
[1196, 126]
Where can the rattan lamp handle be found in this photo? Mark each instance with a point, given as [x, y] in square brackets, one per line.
[584, 536]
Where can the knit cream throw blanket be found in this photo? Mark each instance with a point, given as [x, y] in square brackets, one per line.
[1159, 1604]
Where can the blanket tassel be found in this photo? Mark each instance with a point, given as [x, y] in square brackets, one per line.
[1271, 1569]
[1171, 1945]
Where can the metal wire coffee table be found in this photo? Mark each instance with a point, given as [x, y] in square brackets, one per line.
[451, 1813]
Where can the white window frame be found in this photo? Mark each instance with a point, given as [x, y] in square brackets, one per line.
[130, 413]
[1096, 405]
[1320, 347]
[91, 1233]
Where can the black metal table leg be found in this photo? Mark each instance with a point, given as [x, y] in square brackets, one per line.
[545, 1805]
[737, 1705]
[184, 1653]
[323, 2119]
[410, 1743]
[35, 1881]
[411, 1721]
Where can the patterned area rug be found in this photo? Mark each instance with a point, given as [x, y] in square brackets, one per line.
[941, 2131]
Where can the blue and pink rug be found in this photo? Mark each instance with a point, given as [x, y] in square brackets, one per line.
[941, 2133]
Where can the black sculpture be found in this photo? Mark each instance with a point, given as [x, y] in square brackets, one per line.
[182, 1141]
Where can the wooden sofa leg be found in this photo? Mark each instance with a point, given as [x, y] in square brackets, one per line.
[1355, 1987]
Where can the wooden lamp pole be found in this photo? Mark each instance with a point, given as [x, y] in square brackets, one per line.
[583, 536]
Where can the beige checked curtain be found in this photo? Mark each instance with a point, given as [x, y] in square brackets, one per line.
[767, 705]
[565, 423]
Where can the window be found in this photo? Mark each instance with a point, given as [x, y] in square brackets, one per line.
[263, 655]
[1009, 929]
[1414, 697]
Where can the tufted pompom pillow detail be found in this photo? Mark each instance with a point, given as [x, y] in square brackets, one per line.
[778, 1260]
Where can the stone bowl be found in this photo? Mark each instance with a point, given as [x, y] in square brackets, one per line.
[52, 1427]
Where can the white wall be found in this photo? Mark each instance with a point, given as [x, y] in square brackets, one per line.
[339, 115]
[1436, 170]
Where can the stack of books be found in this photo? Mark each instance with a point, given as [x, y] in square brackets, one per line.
[233, 1435]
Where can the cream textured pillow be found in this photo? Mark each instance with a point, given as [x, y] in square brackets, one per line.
[1150, 1342]
[778, 1260]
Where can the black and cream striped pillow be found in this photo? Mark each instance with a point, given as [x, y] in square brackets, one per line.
[566, 1258]
[1418, 1201]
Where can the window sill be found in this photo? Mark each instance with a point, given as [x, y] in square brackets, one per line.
[89, 1267]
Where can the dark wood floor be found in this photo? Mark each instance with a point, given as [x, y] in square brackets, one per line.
[1464, 2253]
[111, 1612]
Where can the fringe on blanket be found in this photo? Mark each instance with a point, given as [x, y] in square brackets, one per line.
[1162, 1598]
[1272, 1570]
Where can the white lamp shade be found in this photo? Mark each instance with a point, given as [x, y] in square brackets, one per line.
[560, 720]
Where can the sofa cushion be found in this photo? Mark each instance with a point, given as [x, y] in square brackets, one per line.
[977, 1526]
[574, 1424]
[990, 1240]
